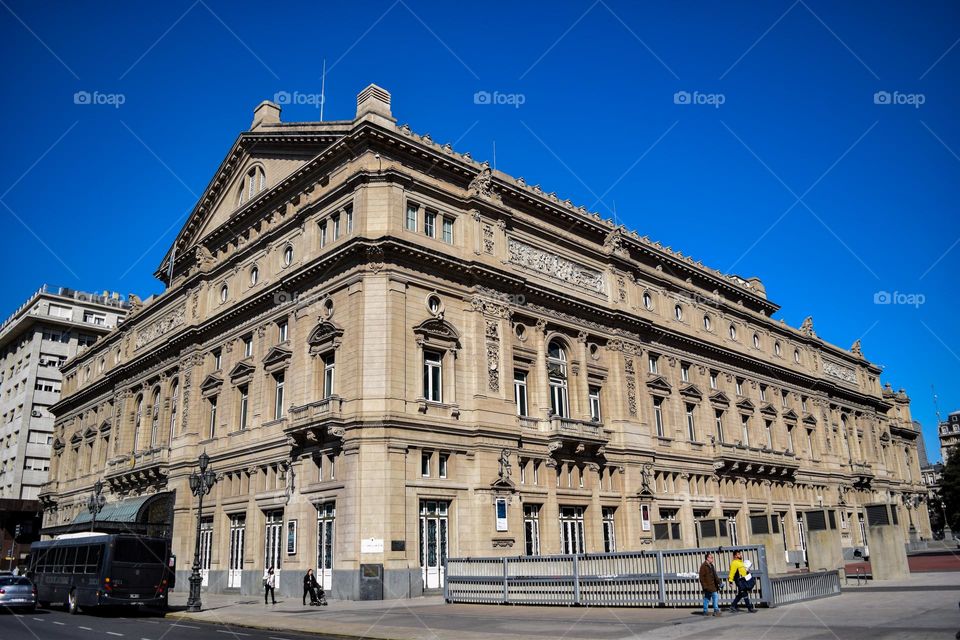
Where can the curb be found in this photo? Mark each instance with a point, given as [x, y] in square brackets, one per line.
[186, 616]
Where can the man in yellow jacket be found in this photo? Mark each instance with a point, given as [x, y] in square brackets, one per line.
[738, 577]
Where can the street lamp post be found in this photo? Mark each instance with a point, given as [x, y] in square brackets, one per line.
[95, 503]
[200, 485]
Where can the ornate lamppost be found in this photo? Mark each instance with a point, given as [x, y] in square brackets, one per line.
[95, 503]
[200, 485]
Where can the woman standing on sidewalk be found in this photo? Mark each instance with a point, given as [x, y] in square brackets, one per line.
[269, 584]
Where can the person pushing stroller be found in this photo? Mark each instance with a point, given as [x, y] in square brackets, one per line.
[311, 586]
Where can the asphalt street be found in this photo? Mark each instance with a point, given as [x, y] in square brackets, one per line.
[57, 624]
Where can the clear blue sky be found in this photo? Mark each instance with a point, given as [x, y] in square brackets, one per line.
[798, 177]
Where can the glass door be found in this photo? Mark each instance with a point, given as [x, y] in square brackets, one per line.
[433, 541]
[326, 514]
[238, 527]
[571, 530]
[206, 544]
[273, 541]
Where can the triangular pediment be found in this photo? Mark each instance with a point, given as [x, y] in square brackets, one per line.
[691, 391]
[276, 355]
[808, 418]
[241, 370]
[790, 414]
[745, 404]
[719, 397]
[57, 444]
[76, 438]
[105, 426]
[212, 381]
[90, 432]
[278, 157]
[659, 383]
[767, 409]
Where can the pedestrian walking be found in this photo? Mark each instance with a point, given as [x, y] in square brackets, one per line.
[710, 582]
[311, 586]
[269, 585]
[740, 577]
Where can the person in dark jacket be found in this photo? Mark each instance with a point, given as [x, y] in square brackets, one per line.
[310, 585]
[710, 582]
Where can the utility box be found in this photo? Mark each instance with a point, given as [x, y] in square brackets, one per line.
[888, 556]
[371, 582]
[824, 548]
[765, 530]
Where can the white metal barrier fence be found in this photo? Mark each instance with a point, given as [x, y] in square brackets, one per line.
[645, 578]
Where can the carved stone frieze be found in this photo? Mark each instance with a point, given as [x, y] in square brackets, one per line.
[554, 266]
[160, 327]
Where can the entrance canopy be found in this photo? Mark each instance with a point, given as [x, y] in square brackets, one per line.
[150, 515]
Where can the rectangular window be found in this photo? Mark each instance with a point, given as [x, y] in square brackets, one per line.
[335, 219]
[94, 318]
[430, 224]
[595, 404]
[213, 416]
[691, 426]
[282, 328]
[719, 424]
[609, 529]
[278, 409]
[442, 465]
[60, 312]
[769, 426]
[84, 340]
[531, 529]
[790, 442]
[323, 233]
[713, 379]
[412, 211]
[658, 415]
[348, 212]
[448, 230]
[501, 509]
[739, 386]
[763, 393]
[783, 399]
[685, 372]
[745, 423]
[217, 359]
[244, 405]
[425, 464]
[652, 364]
[329, 366]
[645, 517]
[247, 346]
[536, 472]
[520, 391]
[803, 404]
[432, 376]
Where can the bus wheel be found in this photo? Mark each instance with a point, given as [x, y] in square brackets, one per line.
[72, 605]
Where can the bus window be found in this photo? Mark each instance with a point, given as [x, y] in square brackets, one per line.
[69, 559]
[93, 559]
[81, 563]
[132, 550]
[58, 560]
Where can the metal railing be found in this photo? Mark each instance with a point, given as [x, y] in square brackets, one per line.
[804, 586]
[646, 578]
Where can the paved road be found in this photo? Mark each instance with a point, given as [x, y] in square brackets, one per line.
[57, 624]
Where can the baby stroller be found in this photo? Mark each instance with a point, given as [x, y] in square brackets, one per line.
[317, 597]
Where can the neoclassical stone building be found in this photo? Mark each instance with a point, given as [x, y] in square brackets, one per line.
[393, 354]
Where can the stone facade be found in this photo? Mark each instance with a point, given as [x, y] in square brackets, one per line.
[53, 325]
[949, 435]
[392, 354]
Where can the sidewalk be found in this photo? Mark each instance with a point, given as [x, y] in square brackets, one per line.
[921, 606]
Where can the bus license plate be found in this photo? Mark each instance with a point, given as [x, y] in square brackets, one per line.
[134, 596]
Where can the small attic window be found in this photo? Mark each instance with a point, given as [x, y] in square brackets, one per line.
[253, 183]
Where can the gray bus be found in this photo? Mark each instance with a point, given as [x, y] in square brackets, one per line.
[98, 569]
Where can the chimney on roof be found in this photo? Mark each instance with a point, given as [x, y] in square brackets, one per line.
[266, 113]
[374, 99]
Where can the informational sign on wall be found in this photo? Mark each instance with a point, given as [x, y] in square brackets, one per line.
[371, 545]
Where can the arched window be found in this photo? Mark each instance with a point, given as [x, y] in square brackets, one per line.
[224, 292]
[155, 418]
[678, 312]
[707, 322]
[557, 373]
[796, 356]
[756, 341]
[647, 301]
[253, 183]
[137, 421]
[288, 255]
[776, 348]
[254, 275]
[174, 401]
[733, 332]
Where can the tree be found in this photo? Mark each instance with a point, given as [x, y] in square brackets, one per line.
[950, 490]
